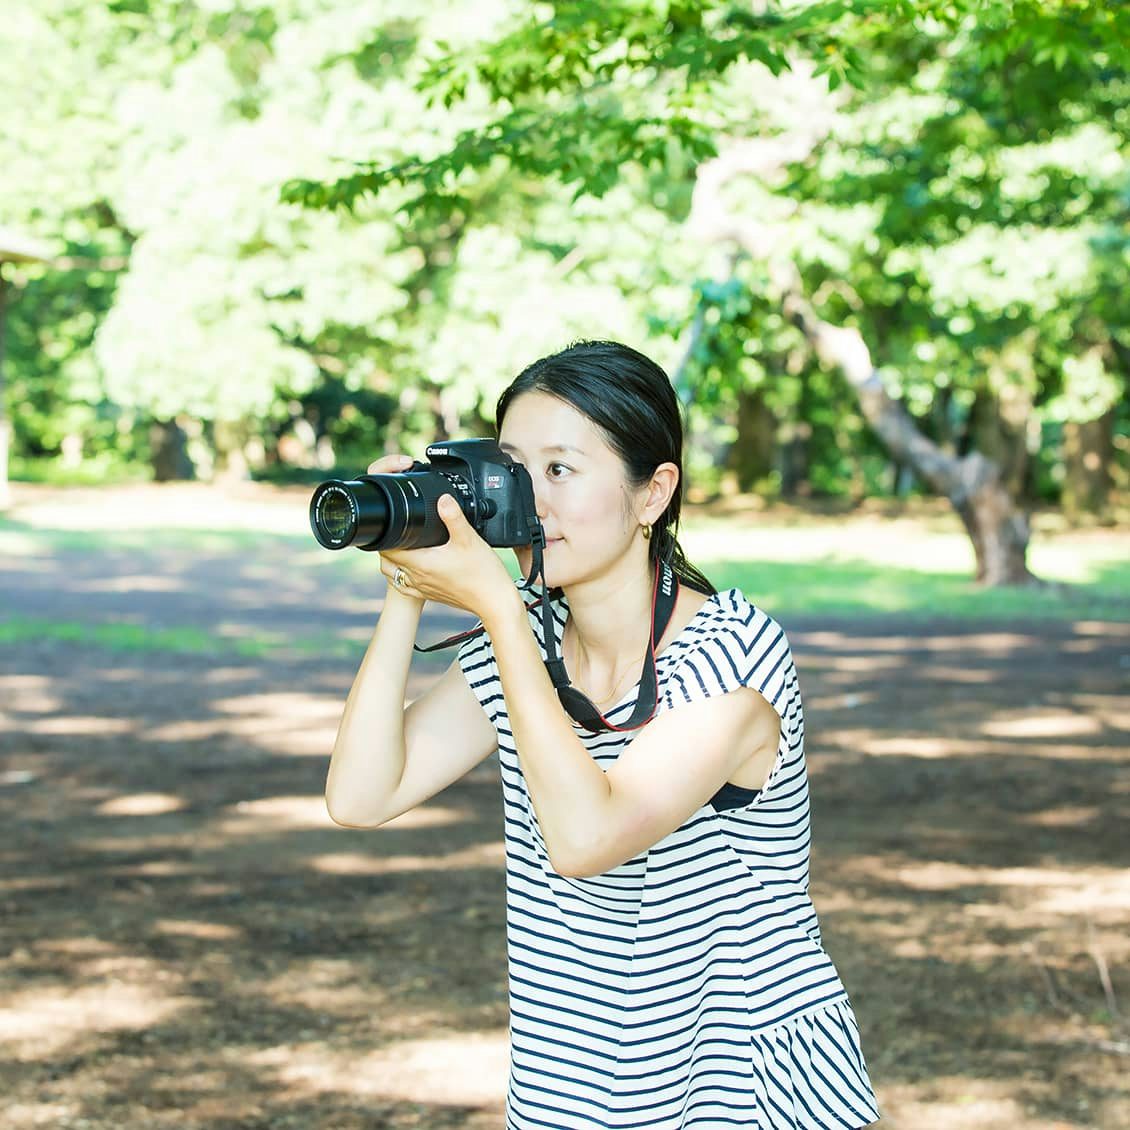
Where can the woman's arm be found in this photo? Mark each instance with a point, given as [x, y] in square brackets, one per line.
[386, 759]
[592, 819]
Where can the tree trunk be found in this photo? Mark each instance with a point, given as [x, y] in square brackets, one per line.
[973, 483]
[169, 456]
[228, 441]
[1088, 454]
[794, 462]
[998, 431]
[5, 426]
[751, 457]
[998, 529]
[5, 443]
[996, 525]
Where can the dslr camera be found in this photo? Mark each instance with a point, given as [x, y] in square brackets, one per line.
[398, 511]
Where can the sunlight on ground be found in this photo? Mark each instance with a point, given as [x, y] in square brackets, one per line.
[141, 804]
[77, 725]
[1101, 628]
[490, 855]
[995, 645]
[961, 1103]
[77, 947]
[187, 928]
[16, 543]
[31, 693]
[939, 875]
[275, 814]
[1041, 725]
[910, 747]
[132, 582]
[857, 664]
[160, 869]
[328, 988]
[279, 813]
[1069, 816]
[1101, 895]
[44, 1021]
[287, 722]
[460, 1069]
[293, 706]
[864, 741]
[50, 1114]
[983, 913]
[900, 543]
[187, 506]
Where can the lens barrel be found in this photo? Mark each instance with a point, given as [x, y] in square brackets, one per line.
[382, 511]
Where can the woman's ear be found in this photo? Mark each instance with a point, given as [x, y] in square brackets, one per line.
[660, 491]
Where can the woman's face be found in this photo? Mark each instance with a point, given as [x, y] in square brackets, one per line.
[583, 498]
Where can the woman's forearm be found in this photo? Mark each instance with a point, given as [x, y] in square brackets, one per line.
[368, 754]
[569, 790]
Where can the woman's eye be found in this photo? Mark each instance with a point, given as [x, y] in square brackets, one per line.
[556, 469]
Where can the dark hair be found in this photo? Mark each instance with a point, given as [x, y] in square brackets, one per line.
[630, 398]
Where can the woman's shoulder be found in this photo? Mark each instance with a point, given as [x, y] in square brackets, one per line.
[732, 643]
[730, 607]
[729, 619]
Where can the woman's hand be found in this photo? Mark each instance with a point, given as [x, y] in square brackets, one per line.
[464, 573]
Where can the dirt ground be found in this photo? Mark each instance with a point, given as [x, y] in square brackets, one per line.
[187, 941]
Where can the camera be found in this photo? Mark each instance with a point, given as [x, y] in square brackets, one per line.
[398, 511]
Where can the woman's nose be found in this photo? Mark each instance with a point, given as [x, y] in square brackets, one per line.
[541, 507]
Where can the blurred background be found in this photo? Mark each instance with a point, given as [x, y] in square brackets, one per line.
[883, 251]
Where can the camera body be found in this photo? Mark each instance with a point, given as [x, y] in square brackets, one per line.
[398, 511]
[495, 492]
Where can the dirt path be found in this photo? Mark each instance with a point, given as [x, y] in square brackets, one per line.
[188, 942]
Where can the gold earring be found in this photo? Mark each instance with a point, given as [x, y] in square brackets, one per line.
[646, 532]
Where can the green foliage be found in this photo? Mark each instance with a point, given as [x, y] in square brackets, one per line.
[965, 206]
[584, 88]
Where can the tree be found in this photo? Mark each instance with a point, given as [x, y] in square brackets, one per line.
[229, 316]
[590, 96]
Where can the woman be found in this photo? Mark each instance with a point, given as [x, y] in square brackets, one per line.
[665, 963]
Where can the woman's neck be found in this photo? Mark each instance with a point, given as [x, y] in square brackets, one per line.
[609, 623]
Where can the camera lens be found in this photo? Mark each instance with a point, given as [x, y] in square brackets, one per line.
[348, 513]
[335, 516]
[382, 511]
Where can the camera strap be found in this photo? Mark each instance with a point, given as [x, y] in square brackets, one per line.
[579, 706]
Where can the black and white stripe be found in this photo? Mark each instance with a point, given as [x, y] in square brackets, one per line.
[686, 987]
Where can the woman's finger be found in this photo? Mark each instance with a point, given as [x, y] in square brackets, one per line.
[452, 516]
[390, 465]
[400, 579]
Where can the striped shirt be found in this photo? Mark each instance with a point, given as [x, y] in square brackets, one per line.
[686, 987]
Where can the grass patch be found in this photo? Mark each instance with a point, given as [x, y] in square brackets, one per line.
[834, 569]
[99, 471]
[846, 588]
[24, 538]
[117, 636]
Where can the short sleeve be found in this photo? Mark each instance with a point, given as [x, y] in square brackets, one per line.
[476, 659]
[742, 646]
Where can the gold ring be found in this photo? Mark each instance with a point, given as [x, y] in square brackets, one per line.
[400, 577]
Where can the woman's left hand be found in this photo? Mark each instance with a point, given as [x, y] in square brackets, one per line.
[465, 572]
